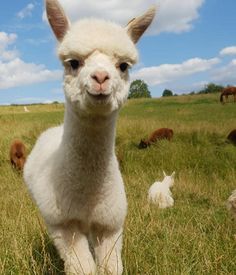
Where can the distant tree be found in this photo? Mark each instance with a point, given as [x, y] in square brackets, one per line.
[167, 92]
[211, 88]
[138, 89]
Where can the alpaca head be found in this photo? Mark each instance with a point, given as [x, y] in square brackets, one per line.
[143, 144]
[169, 180]
[18, 154]
[96, 56]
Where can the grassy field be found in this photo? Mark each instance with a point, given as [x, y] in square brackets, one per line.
[196, 236]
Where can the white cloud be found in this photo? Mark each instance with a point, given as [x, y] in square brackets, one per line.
[225, 75]
[167, 73]
[9, 55]
[15, 72]
[38, 41]
[6, 40]
[18, 73]
[228, 51]
[25, 12]
[176, 16]
[172, 15]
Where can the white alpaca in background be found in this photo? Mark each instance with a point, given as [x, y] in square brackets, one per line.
[231, 204]
[159, 193]
[72, 172]
[26, 109]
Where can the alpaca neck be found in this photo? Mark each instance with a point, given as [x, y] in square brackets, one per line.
[167, 182]
[93, 134]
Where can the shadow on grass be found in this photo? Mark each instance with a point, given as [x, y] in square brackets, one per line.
[46, 258]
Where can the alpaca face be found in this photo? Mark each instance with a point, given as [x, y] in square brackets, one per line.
[97, 83]
[97, 65]
[96, 55]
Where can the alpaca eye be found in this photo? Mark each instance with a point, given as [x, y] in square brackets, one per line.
[74, 64]
[123, 66]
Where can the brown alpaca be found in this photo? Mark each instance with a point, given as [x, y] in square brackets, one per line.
[226, 92]
[17, 154]
[162, 133]
[232, 136]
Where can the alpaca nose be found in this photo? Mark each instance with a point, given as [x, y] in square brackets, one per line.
[100, 76]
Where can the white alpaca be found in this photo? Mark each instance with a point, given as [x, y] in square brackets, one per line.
[159, 192]
[26, 109]
[231, 203]
[72, 172]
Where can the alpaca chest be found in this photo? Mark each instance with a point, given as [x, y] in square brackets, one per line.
[91, 196]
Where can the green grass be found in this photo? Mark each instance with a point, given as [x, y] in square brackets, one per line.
[196, 236]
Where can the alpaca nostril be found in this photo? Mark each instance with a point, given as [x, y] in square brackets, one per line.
[100, 77]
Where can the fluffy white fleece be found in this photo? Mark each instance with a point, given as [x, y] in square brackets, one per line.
[72, 171]
[159, 193]
[90, 35]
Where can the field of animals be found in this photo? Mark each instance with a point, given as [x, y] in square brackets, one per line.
[196, 235]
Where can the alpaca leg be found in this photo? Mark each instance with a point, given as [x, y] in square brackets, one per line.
[73, 248]
[107, 248]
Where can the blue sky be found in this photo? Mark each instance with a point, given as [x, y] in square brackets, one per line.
[191, 43]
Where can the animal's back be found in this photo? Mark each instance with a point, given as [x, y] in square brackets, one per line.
[38, 172]
[18, 154]
[229, 90]
[17, 149]
[156, 188]
[162, 133]
[39, 158]
[160, 195]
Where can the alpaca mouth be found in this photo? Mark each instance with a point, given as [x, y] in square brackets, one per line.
[99, 97]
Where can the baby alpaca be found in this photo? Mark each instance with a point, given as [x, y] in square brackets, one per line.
[17, 154]
[26, 109]
[72, 172]
[160, 194]
[231, 204]
[162, 133]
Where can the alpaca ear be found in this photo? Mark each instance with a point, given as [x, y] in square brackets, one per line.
[172, 175]
[57, 18]
[137, 26]
[164, 173]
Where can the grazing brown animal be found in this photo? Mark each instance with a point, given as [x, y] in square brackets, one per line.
[226, 92]
[232, 136]
[162, 133]
[18, 154]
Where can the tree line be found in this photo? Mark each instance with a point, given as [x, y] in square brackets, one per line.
[139, 89]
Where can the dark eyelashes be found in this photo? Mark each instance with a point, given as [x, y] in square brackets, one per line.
[123, 66]
[75, 64]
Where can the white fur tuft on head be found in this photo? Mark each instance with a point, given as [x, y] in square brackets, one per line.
[97, 55]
